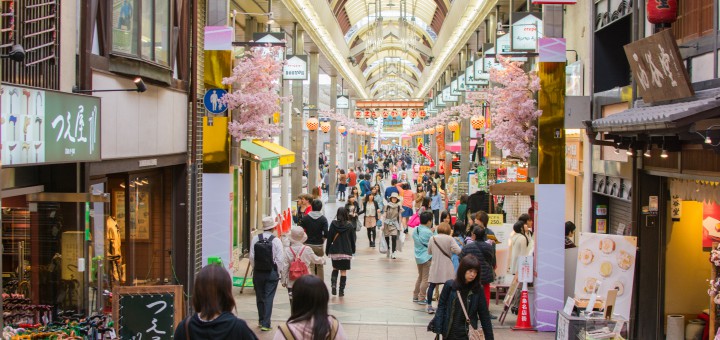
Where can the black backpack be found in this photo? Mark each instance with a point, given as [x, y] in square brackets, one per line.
[264, 254]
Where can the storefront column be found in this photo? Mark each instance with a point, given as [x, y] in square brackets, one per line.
[464, 150]
[312, 161]
[333, 142]
[297, 121]
[285, 141]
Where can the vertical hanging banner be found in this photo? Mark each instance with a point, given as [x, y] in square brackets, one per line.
[423, 151]
[550, 191]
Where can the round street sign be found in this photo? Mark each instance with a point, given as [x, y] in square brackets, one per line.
[212, 101]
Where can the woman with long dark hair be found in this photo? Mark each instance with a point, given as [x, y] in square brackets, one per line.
[462, 304]
[213, 302]
[519, 245]
[340, 247]
[342, 185]
[436, 202]
[309, 318]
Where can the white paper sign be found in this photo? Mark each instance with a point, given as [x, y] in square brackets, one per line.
[569, 305]
[525, 270]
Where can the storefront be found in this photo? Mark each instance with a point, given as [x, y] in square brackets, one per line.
[46, 139]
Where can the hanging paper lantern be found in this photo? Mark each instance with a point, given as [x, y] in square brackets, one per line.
[368, 114]
[358, 114]
[403, 113]
[413, 113]
[374, 114]
[477, 122]
[325, 127]
[341, 129]
[352, 131]
[453, 126]
[312, 124]
[386, 114]
[422, 114]
[440, 128]
[394, 113]
[662, 11]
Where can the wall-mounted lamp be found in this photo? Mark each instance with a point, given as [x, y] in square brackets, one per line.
[16, 54]
[139, 87]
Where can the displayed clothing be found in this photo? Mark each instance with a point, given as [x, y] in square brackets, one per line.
[514, 206]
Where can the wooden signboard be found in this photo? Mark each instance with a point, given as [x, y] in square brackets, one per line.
[513, 188]
[658, 68]
[147, 312]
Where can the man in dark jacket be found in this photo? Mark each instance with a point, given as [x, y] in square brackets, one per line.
[486, 254]
[316, 228]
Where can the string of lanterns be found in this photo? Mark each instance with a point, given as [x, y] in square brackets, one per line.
[344, 124]
[449, 117]
[386, 113]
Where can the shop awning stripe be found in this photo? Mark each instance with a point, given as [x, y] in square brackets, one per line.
[286, 156]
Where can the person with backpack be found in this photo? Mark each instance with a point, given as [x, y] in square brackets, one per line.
[297, 260]
[315, 225]
[266, 257]
[340, 248]
[309, 317]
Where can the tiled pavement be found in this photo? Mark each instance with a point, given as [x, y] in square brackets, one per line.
[377, 302]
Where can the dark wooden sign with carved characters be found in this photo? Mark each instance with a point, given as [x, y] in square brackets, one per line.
[658, 69]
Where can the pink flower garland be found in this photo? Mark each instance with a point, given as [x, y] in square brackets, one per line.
[256, 80]
[512, 108]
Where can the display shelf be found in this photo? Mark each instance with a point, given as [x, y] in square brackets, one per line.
[589, 328]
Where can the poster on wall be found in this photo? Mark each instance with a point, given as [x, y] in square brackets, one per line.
[502, 250]
[711, 224]
[609, 262]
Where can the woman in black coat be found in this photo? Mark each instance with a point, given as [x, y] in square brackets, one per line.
[449, 320]
[485, 253]
[340, 247]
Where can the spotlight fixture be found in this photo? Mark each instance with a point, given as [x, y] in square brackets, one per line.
[708, 140]
[629, 152]
[647, 152]
[664, 154]
[139, 87]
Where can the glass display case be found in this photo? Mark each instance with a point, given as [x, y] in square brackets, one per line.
[591, 326]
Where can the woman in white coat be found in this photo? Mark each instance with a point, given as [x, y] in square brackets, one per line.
[441, 247]
[520, 245]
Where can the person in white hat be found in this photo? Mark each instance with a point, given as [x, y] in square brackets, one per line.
[266, 257]
[391, 222]
[297, 250]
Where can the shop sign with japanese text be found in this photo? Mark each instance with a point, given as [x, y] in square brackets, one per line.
[39, 126]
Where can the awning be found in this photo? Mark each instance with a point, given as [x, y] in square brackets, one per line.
[286, 156]
[644, 117]
[267, 158]
[456, 147]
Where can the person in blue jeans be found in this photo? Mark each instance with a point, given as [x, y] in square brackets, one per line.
[436, 202]
[423, 259]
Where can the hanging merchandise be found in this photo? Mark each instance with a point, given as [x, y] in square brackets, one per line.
[662, 11]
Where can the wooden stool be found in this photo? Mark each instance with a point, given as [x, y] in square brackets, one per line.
[499, 289]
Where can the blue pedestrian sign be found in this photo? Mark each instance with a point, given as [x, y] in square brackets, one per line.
[212, 101]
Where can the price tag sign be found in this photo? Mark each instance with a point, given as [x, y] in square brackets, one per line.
[495, 219]
[525, 271]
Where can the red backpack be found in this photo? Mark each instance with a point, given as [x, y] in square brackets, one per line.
[298, 268]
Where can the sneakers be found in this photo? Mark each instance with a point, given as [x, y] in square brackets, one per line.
[394, 255]
[422, 302]
[430, 310]
[265, 329]
[416, 300]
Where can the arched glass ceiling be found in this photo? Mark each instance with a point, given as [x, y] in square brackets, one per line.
[390, 82]
[388, 15]
[378, 63]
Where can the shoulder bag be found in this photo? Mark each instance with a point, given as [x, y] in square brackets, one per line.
[473, 333]
[440, 248]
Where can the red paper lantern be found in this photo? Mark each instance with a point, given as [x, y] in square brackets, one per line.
[413, 114]
[662, 11]
[404, 113]
[358, 114]
[374, 114]
[368, 114]
[325, 127]
[394, 113]
[312, 124]
[386, 114]
[422, 114]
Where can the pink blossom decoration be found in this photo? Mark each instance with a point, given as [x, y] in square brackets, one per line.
[513, 109]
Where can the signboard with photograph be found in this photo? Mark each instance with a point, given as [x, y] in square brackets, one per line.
[607, 261]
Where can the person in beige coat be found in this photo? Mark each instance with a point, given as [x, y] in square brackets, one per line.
[441, 247]
[297, 248]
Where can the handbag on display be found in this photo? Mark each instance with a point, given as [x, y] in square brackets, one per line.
[473, 333]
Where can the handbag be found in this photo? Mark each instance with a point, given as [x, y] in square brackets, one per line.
[473, 333]
[414, 221]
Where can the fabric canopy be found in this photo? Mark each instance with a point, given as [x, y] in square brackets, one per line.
[286, 156]
[455, 146]
[267, 158]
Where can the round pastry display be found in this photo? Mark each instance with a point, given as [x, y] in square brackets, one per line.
[586, 256]
[607, 245]
[620, 287]
[624, 260]
[590, 285]
[606, 269]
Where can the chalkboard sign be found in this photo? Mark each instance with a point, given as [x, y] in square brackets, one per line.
[148, 312]
[463, 188]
